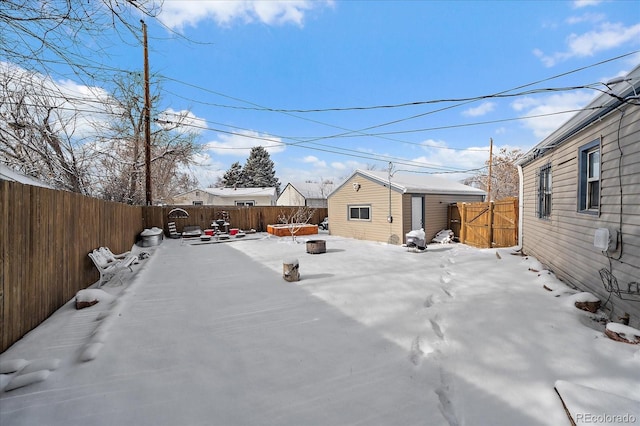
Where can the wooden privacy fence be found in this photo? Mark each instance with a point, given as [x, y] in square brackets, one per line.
[44, 241]
[486, 224]
[46, 234]
[255, 217]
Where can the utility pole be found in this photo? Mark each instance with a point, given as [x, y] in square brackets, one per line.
[490, 163]
[147, 119]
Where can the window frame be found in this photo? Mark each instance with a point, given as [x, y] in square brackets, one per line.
[360, 207]
[198, 203]
[545, 192]
[245, 203]
[587, 183]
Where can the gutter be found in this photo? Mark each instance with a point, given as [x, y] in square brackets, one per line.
[520, 205]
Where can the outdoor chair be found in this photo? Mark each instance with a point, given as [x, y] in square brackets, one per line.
[111, 257]
[109, 270]
[173, 232]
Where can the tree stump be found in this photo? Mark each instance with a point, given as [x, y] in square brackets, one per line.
[291, 270]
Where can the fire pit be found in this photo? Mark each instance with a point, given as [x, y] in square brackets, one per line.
[316, 246]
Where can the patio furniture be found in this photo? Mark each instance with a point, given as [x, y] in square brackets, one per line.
[190, 231]
[173, 232]
[111, 257]
[109, 270]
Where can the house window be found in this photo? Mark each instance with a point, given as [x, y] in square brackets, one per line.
[246, 203]
[359, 212]
[589, 179]
[198, 203]
[544, 192]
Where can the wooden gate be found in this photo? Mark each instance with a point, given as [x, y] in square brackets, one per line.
[486, 224]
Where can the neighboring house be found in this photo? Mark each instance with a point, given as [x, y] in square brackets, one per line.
[581, 183]
[7, 173]
[364, 207]
[228, 197]
[310, 194]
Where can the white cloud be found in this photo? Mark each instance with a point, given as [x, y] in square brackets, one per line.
[578, 4]
[178, 14]
[586, 17]
[552, 107]
[240, 143]
[439, 154]
[314, 161]
[206, 169]
[482, 109]
[338, 166]
[606, 36]
[184, 119]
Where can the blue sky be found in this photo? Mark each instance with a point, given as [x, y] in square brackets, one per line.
[248, 72]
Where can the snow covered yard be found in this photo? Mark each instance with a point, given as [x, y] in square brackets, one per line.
[372, 334]
[495, 341]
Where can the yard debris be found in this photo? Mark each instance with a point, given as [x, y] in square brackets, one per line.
[444, 237]
[622, 333]
[587, 302]
[89, 297]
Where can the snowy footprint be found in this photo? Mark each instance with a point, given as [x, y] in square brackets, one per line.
[416, 353]
[429, 301]
[444, 395]
[436, 328]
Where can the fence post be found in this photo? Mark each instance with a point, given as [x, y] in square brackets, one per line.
[463, 223]
[490, 220]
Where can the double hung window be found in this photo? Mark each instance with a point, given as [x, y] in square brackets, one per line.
[589, 178]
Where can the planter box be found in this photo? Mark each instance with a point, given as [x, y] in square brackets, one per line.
[283, 230]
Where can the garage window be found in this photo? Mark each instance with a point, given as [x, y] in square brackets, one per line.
[360, 212]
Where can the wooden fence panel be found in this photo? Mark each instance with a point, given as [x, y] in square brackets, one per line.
[484, 224]
[505, 223]
[257, 217]
[45, 237]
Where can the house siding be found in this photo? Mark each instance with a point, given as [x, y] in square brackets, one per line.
[212, 200]
[375, 195]
[290, 197]
[564, 241]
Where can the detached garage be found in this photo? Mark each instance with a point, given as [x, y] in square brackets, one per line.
[370, 205]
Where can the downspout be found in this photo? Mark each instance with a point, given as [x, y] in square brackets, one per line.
[520, 204]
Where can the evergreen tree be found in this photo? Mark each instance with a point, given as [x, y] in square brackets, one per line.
[259, 170]
[233, 178]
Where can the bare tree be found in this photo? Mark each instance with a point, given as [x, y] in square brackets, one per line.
[121, 147]
[39, 131]
[41, 35]
[295, 218]
[504, 180]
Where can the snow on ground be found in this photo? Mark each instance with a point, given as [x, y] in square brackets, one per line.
[210, 334]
